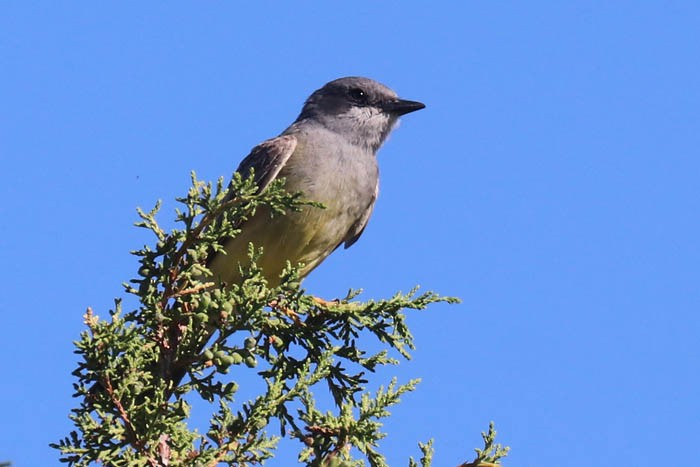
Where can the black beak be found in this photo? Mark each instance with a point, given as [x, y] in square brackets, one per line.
[402, 107]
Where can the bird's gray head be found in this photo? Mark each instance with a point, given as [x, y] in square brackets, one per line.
[360, 109]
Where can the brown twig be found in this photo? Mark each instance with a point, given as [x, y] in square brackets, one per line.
[169, 289]
[187, 242]
[232, 445]
[135, 441]
[194, 289]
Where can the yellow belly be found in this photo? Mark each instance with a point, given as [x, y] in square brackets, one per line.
[305, 237]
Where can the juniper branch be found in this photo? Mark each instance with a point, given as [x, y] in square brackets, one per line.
[133, 397]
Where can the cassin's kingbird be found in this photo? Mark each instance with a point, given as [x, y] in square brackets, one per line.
[329, 155]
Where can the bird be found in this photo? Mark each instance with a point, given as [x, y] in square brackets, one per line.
[329, 155]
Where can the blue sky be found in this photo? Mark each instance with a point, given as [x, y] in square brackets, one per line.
[551, 183]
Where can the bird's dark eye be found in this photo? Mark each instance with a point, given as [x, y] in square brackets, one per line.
[358, 95]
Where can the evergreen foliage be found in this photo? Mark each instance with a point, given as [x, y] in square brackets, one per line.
[138, 369]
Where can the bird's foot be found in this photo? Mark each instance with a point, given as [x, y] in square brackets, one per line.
[291, 314]
[325, 303]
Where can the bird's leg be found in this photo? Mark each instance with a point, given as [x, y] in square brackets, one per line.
[277, 304]
[325, 303]
[287, 311]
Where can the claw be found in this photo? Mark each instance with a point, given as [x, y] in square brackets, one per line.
[291, 314]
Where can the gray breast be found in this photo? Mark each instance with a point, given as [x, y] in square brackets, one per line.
[341, 176]
[329, 170]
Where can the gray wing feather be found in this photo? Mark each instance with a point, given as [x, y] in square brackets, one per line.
[359, 226]
[267, 159]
